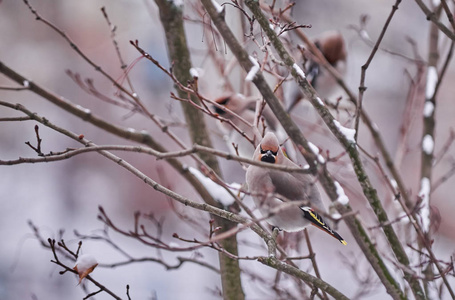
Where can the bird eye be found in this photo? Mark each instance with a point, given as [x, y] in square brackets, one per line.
[219, 111]
[265, 151]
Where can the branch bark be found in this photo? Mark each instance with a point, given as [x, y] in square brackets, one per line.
[171, 17]
[368, 190]
[324, 177]
[288, 269]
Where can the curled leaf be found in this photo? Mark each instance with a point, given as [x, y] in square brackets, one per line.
[85, 265]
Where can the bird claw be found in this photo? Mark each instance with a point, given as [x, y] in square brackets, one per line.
[275, 231]
[271, 244]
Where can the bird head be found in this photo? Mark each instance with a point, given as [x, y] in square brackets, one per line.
[332, 45]
[237, 103]
[222, 101]
[269, 149]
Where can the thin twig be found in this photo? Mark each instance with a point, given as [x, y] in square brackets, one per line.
[431, 16]
[68, 269]
[13, 119]
[312, 256]
[362, 87]
[7, 88]
[275, 263]
[37, 149]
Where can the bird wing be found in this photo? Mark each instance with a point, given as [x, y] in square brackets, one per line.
[316, 220]
[296, 187]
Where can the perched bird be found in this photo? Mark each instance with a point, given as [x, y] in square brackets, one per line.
[332, 46]
[267, 186]
[245, 108]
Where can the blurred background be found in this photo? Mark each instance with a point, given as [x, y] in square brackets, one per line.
[66, 194]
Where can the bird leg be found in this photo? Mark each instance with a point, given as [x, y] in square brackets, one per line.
[271, 243]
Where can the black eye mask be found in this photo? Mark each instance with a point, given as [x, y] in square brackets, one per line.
[270, 151]
[224, 102]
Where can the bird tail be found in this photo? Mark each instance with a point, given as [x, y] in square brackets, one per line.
[316, 220]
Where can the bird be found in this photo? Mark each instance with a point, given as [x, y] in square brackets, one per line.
[332, 46]
[270, 188]
[245, 107]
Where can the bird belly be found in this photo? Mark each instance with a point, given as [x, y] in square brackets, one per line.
[289, 219]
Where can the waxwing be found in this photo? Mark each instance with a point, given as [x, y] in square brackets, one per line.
[273, 188]
[332, 46]
[245, 108]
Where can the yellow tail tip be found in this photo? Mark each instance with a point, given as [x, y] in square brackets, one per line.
[343, 242]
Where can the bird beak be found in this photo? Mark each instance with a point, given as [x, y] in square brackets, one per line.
[269, 157]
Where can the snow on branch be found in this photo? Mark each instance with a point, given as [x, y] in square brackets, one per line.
[432, 80]
[219, 8]
[347, 132]
[428, 144]
[299, 70]
[342, 198]
[424, 193]
[254, 69]
[218, 192]
[316, 151]
[428, 109]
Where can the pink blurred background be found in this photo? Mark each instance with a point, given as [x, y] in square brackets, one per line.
[66, 195]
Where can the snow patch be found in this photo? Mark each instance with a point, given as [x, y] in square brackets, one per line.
[26, 83]
[428, 109]
[432, 79]
[177, 2]
[424, 192]
[428, 144]
[218, 192]
[394, 183]
[342, 198]
[347, 132]
[196, 72]
[254, 69]
[320, 101]
[299, 71]
[336, 216]
[315, 150]
[85, 262]
[219, 8]
[85, 110]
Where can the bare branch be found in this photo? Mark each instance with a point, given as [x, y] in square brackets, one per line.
[431, 16]
[362, 86]
[288, 269]
[69, 269]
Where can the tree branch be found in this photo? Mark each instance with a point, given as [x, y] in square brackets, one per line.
[288, 269]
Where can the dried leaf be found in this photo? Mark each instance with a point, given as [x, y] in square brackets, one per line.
[85, 265]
